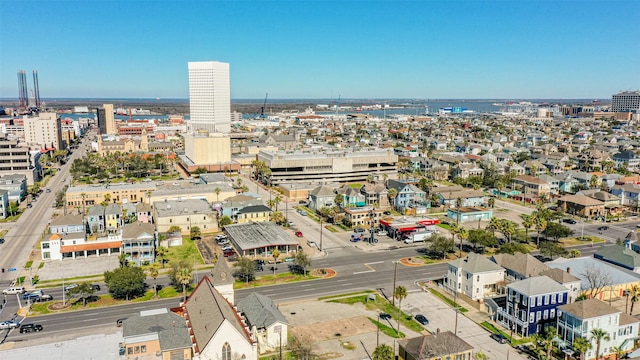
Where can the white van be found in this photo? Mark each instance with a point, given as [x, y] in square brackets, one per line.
[14, 290]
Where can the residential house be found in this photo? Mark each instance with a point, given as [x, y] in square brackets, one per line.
[267, 324]
[351, 197]
[516, 169]
[626, 159]
[139, 242]
[113, 217]
[157, 333]
[628, 194]
[144, 213]
[532, 185]
[438, 346]
[407, 195]
[454, 196]
[474, 276]
[566, 279]
[218, 329]
[256, 213]
[376, 195]
[15, 185]
[4, 204]
[531, 305]
[67, 224]
[322, 196]
[232, 205]
[96, 219]
[465, 171]
[567, 182]
[364, 217]
[581, 205]
[519, 266]
[579, 319]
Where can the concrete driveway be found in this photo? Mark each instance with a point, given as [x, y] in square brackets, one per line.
[442, 316]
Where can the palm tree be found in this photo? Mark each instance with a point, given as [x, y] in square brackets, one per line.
[635, 296]
[217, 190]
[463, 234]
[184, 277]
[383, 352]
[540, 224]
[161, 254]
[598, 335]
[400, 293]
[618, 351]
[582, 345]
[275, 253]
[508, 228]
[527, 223]
[277, 200]
[550, 334]
[392, 196]
[494, 224]
[154, 272]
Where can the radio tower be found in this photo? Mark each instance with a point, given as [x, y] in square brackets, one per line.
[36, 89]
[22, 89]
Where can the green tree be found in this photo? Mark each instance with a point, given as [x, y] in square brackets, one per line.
[513, 248]
[217, 190]
[195, 232]
[245, 268]
[123, 259]
[479, 355]
[154, 272]
[574, 253]
[275, 254]
[463, 234]
[556, 231]
[550, 333]
[440, 245]
[392, 196]
[483, 238]
[581, 345]
[161, 254]
[302, 260]
[634, 292]
[383, 352]
[540, 223]
[492, 204]
[82, 292]
[551, 249]
[598, 335]
[527, 223]
[224, 221]
[125, 282]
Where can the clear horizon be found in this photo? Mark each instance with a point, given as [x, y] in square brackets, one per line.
[429, 49]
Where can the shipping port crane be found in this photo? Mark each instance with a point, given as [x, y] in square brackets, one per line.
[264, 106]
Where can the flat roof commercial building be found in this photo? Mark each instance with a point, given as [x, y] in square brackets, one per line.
[260, 239]
[626, 101]
[324, 166]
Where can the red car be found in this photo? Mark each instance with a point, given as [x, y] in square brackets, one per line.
[299, 233]
[228, 253]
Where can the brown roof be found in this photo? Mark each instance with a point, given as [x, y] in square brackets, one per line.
[587, 309]
[581, 200]
[523, 264]
[559, 275]
[530, 179]
[437, 345]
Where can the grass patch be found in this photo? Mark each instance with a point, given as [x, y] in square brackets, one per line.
[41, 265]
[387, 330]
[345, 295]
[572, 241]
[513, 341]
[28, 264]
[331, 228]
[382, 305]
[348, 345]
[444, 226]
[355, 186]
[447, 300]
[186, 252]
[166, 292]
[272, 280]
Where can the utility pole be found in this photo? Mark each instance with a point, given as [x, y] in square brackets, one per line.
[321, 247]
[395, 270]
[455, 303]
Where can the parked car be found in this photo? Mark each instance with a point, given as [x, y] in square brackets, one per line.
[387, 212]
[569, 221]
[229, 253]
[95, 287]
[302, 202]
[9, 324]
[289, 259]
[290, 223]
[14, 290]
[421, 319]
[221, 237]
[499, 338]
[70, 286]
[30, 328]
[356, 237]
[45, 297]
[358, 230]
[299, 233]
[603, 228]
[384, 316]
[31, 297]
[120, 321]
[1, 240]
[227, 248]
[29, 206]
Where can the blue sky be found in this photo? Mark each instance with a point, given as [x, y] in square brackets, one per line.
[323, 49]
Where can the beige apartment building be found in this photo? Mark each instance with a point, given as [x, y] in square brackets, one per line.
[16, 159]
[44, 130]
[211, 151]
[110, 121]
[326, 166]
[119, 193]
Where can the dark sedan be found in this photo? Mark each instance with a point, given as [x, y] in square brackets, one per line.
[421, 319]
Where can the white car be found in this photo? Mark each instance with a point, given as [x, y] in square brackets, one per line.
[226, 248]
[70, 286]
[9, 324]
[221, 237]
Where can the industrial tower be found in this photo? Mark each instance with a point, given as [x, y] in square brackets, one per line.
[22, 89]
[36, 89]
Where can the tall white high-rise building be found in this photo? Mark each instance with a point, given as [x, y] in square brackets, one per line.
[209, 96]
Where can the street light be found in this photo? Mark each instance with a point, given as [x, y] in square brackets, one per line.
[395, 270]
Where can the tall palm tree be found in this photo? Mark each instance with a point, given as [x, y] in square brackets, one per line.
[463, 234]
[540, 223]
[275, 253]
[454, 229]
[400, 293]
[277, 200]
[527, 223]
[598, 335]
[582, 345]
[392, 197]
[217, 190]
[154, 272]
[494, 224]
[550, 334]
[184, 277]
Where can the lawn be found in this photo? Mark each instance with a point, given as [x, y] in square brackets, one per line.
[188, 251]
[382, 305]
[513, 341]
[265, 280]
[572, 241]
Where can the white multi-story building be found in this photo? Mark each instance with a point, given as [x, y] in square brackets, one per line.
[626, 101]
[580, 318]
[474, 276]
[209, 96]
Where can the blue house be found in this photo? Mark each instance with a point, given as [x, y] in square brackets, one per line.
[408, 195]
[531, 305]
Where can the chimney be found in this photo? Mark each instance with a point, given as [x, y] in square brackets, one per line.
[569, 270]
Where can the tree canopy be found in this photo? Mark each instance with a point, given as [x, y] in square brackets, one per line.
[125, 282]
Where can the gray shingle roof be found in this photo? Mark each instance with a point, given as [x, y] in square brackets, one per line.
[589, 308]
[134, 230]
[221, 274]
[523, 264]
[619, 255]
[171, 329]
[207, 309]
[260, 311]
[475, 263]
[181, 207]
[578, 267]
[560, 276]
[537, 285]
[68, 220]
